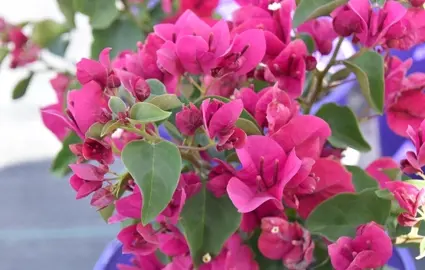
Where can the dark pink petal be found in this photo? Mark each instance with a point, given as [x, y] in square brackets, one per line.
[376, 169]
[87, 172]
[193, 53]
[338, 251]
[165, 31]
[102, 198]
[168, 60]
[90, 70]
[225, 118]
[104, 58]
[57, 125]
[244, 198]
[130, 206]
[87, 188]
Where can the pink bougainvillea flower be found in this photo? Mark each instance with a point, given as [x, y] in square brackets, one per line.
[401, 35]
[252, 17]
[332, 179]
[274, 108]
[147, 262]
[138, 239]
[290, 242]
[289, 67]
[88, 106]
[266, 170]
[87, 179]
[219, 177]
[406, 111]
[180, 263]
[371, 248]
[377, 169]
[172, 212]
[25, 55]
[101, 72]
[189, 119]
[60, 84]
[128, 207]
[369, 25]
[395, 72]
[102, 198]
[191, 183]
[199, 7]
[168, 60]
[409, 198]
[322, 32]
[135, 84]
[248, 97]
[307, 142]
[172, 242]
[225, 86]
[283, 20]
[55, 120]
[17, 37]
[219, 118]
[100, 151]
[236, 140]
[415, 160]
[244, 54]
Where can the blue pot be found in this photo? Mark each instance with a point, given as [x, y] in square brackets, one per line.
[112, 255]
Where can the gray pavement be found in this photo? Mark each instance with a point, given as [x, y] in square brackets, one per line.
[42, 226]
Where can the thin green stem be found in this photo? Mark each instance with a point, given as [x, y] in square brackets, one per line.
[203, 148]
[320, 76]
[194, 83]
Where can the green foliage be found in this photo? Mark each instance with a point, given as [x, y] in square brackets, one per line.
[361, 179]
[143, 112]
[45, 32]
[310, 9]
[22, 86]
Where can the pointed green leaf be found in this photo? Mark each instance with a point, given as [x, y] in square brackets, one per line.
[344, 126]
[156, 170]
[65, 156]
[46, 31]
[310, 9]
[157, 87]
[166, 101]
[340, 75]
[107, 212]
[104, 14]
[343, 213]
[121, 35]
[22, 86]
[126, 96]
[207, 223]
[68, 10]
[117, 105]
[110, 127]
[3, 53]
[369, 70]
[95, 131]
[249, 127]
[144, 112]
[361, 179]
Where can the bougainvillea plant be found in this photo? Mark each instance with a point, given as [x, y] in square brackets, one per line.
[225, 166]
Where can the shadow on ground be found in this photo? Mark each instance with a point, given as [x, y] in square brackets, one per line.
[42, 226]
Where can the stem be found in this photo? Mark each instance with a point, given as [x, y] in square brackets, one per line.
[321, 75]
[194, 83]
[421, 175]
[203, 148]
[142, 132]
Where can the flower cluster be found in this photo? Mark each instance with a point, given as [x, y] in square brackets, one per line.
[225, 167]
[23, 51]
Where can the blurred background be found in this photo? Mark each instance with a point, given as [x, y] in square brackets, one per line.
[42, 226]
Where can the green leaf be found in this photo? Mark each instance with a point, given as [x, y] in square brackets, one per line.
[361, 179]
[421, 250]
[156, 170]
[310, 9]
[117, 105]
[84, 6]
[344, 126]
[249, 127]
[22, 86]
[3, 53]
[173, 131]
[46, 31]
[110, 127]
[309, 42]
[121, 35]
[343, 213]
[65, 156]
[104, 14]
[68, 11]
[166, 101]
[420, 184]
[126, 96]
[369, 70]
[107, 212]
[340, 75]
[95, 131]
[393, 174]
[59, 46]
[207, 223]
[157, 87]
[144, 112]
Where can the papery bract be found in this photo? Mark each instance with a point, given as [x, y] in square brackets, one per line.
[322, 32]
[100, 151]
[189, 119]
[377, 169]
[138, 239]
[371, 248]
[265, 173]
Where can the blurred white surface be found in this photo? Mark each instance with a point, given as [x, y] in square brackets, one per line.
[22, 134]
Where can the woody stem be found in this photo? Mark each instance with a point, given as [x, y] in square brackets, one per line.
[320, 76]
